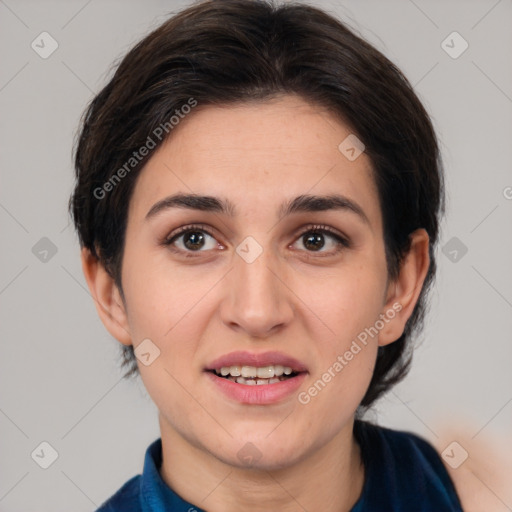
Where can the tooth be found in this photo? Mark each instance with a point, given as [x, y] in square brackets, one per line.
[250, 382]
[273, 380]
[266, 372]
[278, 370]
[240, 380]
[235, 371]
[249, 371]
[259, 382]
[253, 372]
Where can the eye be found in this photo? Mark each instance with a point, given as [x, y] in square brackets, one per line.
[194, 238]
[314, 239]
[191, 239]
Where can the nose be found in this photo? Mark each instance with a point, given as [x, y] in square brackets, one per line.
[257, 302]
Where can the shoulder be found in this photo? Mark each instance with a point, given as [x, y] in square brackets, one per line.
[126, 499]
[403, 471]
[409, 450]
[480, 464]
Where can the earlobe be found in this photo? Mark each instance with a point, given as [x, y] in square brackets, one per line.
[404, 291]
[107, 298]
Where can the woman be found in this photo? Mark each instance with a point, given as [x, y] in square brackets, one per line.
[258, 197]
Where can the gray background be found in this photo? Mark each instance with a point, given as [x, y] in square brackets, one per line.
[59, 378]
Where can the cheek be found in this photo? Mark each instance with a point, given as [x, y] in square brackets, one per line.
[162, 297]
[350, 307]
[348, 300]
[349, 303]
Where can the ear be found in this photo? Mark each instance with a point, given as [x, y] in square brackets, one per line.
[107, 298]
[403, 292]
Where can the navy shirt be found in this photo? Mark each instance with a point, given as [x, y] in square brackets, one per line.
[403, 473]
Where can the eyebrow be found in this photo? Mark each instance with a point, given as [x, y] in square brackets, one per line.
[302, 203]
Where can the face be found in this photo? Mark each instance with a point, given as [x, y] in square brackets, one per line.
[255, 279]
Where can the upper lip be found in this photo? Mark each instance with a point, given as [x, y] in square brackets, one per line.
[257, 359]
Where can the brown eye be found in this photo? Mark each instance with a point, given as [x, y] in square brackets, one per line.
[317, 238]
[191, 239]
[314, 241]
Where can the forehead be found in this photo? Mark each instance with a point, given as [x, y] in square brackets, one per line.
[256, 154]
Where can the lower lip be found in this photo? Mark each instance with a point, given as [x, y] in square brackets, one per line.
[262, 394]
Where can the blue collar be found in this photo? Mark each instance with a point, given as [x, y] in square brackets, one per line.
[403, 472]
[156, 495]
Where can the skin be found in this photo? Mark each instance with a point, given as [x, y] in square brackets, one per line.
[483, 479]
[308, 304]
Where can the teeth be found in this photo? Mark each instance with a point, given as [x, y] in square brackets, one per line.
[236, 371]
[278, 370]
[264, 372]
[267, 372]
[249, 371]
[257, 382]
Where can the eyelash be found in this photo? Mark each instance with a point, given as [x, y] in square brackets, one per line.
[341, 241]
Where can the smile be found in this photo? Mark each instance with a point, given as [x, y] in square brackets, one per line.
[252, 375]
[257, 378]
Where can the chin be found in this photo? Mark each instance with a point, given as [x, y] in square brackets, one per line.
[260, 462]
[262, 453]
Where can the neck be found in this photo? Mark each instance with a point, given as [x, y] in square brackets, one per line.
[330, 479]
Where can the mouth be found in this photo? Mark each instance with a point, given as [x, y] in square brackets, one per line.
[252, 378]
[255, 376]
